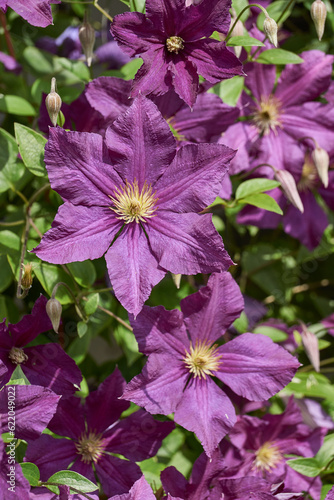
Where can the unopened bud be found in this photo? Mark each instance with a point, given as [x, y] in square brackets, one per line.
[177, 279]
[270, 29]
[321, 161]
[311, 346]
[53, 310]
[318, 14]
[26, 281]
[53, 103]
[87, 40]
[289, 187]
[238, 30]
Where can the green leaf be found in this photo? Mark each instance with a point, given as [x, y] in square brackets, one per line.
[9, 243]
[83, 272]
[49, 275]
[307, 466]
[326, 452]
[264, 201]
[255, 186]
[275, 10]
[91, 304]
[274, 333]
[40, 62]
[79, 347]
[82, 328]
[241, 323]
[31, 147]
[16, 105]
[6, 274]
[244, 41]
[11, 170]
[278, 56]
[137, 5]
[229, 90]
[73, 480]
[18, 377]
[310, 384]
[238, 6]
[31, 473]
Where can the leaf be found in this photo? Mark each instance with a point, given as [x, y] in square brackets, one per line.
[72, 479]
[91, 304]
[18, 377]
[229, 90]
[274, 333]
[238, 6]
[11, 170]
[263, 201]
[16, 105]
[31, 473]
[326, 452]
[6, 274]
[278, 56]
[82, 328]
[255, 186]
[137, 5]
[307, 466]
[31, 146]
[83, 272]
[9, 243]
[312, 385]
[244, 41]
[49, 275]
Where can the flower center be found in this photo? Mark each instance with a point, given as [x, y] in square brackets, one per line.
[130, 204]
[267, 115]
[90, 447]
[267, 457]
[174, 44]
[202, 359]
[309, 177]
[17, 355]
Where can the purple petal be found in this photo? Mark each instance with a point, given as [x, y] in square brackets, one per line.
[48, 365]
[254, 367]
[36, 12]
[3, 371]
[141, 490]
[133, 268]
[10, 63]
[209, 312]
[69, 420]
[328, 193]
[194, 179]
[299, 83]
[140, 143]
[19, 484]
[31, 325]
[240, 136]
[308, 227]
[185, 79]
[213, 60]
[78, 159]
[103, 406]
[34, 408]
[109, 96]
[263, 218]
[260, 79]
[78, 233]
[187, 243]
[203, 19]
[138, 436]
[174, 482]
[116, 475]
[205, 410]
[154, 76]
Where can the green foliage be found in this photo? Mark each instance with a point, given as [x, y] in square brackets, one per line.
[31, 473]
[278, 56]
[244, 41]
[31, 146]
[75, 481]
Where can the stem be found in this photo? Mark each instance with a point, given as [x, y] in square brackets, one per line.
[7, 35]
[16, 223]
[117, 318]
[97, 6]
[82, 314]
[228, 36]
[46, 484]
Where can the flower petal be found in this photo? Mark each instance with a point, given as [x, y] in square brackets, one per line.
[31, 325]
[185, 79]
[254, 367]
[69, 420]
[36, 12]
[117, 476]
[260, 79]
[109, 96]
[154, 76]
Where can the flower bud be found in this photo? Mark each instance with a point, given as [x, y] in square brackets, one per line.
[87, 40]
[289, 187]
[53, 310]
[311, 346]
[177, 279]
[318, 14]
[238, 30]
[53, 103]
[321, 161]
[26, 281]
[270, 29]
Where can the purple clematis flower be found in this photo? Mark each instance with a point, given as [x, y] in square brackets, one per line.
[47, 365]
[254, 488]
[96, 432]
[12, 472]
[36, 12]
[133, 191]
[173, 41]
[183, 355]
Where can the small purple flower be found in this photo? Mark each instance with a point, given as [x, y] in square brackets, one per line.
[136, 199]
[183, 355]
[47, 365]
[36, 12]
[96, 432]
[173, 41]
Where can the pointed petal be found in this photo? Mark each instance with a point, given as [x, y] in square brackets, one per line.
[36, 12]
[193, 180]
[69, 421]
[206, 410]
[31, 325]
[240, 136]
[109, 96]
[260, 79]
[203, 19]
[117, 476]
[254, 367]
[187, 243]
[78, 233]
[133, 268]
[140, 143]
[185, 79]
[209, 312]
[141, 490]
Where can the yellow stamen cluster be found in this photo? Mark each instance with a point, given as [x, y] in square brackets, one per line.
[174, 44]
[267, 115]
[17, 355]
[203, 359]
[309, 177]
[130, 204]
[267, 457]
[90, 447]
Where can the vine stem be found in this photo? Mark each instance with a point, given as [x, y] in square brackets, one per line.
[117, 318]
[98, 7]
[80, 310]
[228, 36]
[7, 35]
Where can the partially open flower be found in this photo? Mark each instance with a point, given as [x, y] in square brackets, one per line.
[321, 161]
[53, 103]
[318, 14]
[270, 29]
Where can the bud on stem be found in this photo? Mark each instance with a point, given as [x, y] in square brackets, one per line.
[289, 187]
[53, 103]
[321, 161]
[53, 310]
[318, 14]
[87, 40]
[270, 29]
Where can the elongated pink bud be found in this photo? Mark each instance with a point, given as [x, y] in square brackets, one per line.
[311, 346]
[53, 310]
[270, 29]
[53, 103]
[321, 161]
[289, 187]
[318, 14]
